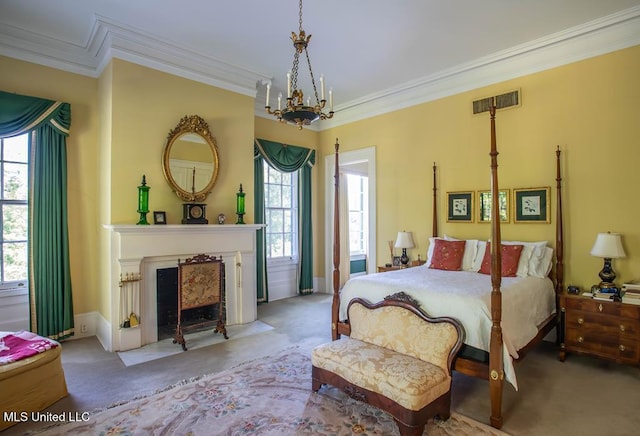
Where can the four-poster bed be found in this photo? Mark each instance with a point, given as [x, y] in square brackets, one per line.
[486, 357]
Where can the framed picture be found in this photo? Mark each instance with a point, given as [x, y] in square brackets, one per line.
[460, 207]
[531, 205]
[159, 217]
[484, 206]
[396, 261]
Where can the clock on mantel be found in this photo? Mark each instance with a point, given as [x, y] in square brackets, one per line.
[194, 213]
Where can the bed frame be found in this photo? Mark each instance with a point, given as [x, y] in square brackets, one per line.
[494, 370]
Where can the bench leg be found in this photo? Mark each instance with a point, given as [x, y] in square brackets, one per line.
[315, 385]
[405, 430]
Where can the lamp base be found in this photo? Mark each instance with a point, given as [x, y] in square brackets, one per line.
[404, 259]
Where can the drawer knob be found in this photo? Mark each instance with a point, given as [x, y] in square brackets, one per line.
[580, 339]
[580, 321]
[622, 348]
[621, 327]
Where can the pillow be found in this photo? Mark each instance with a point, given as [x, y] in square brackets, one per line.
[470, 250]
[447, 255]
[432, 244]
[510, 258]
[533, 253]
[543, 266]
[477, 261]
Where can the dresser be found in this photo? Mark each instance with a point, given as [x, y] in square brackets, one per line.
[606, 329]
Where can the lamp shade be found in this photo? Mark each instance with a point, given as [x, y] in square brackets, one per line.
[608, 245]
[404, 240]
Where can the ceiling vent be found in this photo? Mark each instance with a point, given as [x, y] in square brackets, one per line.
[508, 99]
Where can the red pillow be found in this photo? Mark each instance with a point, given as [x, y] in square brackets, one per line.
[447, 255]
[510, 258]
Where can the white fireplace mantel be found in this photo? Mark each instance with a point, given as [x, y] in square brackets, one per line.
[139, 250]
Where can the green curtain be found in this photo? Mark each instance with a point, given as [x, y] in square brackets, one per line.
[290, 158]
[50, 299]
[259, 218]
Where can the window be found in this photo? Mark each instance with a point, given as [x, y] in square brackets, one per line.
[281, 213]
[14, 164]
[358, 197]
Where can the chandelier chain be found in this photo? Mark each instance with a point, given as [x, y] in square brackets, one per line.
[313, 80]
[300, 18]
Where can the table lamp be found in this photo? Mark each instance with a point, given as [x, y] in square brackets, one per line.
[404, 241]
[608, 246]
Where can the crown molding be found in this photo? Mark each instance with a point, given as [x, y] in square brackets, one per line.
[598, 37]
[109, 39]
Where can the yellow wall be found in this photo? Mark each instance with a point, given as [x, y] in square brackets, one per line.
[120, 123]
[588, 108]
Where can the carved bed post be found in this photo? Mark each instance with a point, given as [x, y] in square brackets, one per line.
[559, 233]
[335, 306]
[434, 231]
[496, 364]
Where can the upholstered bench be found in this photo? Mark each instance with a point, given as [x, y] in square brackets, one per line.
[397, 359]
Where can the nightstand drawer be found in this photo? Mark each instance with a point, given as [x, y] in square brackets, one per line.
[594, 306]
[591, 341]
[608, 325]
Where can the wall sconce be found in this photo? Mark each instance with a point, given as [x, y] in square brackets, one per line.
[404, 241]
[608, 246]
[143, 201]
[240, 205]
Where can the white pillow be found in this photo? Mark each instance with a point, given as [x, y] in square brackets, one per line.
[543, 266]
[477, 261]
[470, 251]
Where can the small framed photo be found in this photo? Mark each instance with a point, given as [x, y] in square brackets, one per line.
[396, 261]
[484, 206]
[159, 217]
[531, 205]
[460, 207]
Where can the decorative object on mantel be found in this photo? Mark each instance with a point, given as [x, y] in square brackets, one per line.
[404, 241]
[159, 217]
[221, 218]
[296, 110]
[143, 201]
[608, 246]
[194, 213]
[240, 205]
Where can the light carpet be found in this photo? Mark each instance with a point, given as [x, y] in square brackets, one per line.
[269, 396]
[194, 340]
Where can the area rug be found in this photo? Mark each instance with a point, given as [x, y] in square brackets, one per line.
[270, 396]
[194, 340]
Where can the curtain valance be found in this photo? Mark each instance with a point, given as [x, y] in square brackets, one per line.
[283, 157]
[21, 113]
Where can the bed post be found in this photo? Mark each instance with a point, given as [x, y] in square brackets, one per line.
[559, 233]
[434, 231]
[335, 305]
[496, 365]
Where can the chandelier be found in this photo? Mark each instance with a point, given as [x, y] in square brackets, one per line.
[296, 110]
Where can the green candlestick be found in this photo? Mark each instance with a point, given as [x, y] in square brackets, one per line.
[240, 205]
[143, 201]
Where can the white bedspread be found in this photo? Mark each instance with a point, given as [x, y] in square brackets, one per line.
[466, 296]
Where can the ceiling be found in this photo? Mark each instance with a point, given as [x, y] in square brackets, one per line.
[376, 55]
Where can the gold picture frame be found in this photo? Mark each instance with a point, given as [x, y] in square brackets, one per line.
[532, 205]
[460, 207]
[484, 206]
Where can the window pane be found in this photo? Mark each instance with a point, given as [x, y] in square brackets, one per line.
[286, 178]
[14, 261]
[16, 149]
[14, 222]
[274, 176]
[15, 181]
[274, 196]
[276, 221]
[286, 196]
[288, 224]
[288, 248]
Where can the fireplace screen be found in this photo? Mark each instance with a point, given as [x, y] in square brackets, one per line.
[200, 285]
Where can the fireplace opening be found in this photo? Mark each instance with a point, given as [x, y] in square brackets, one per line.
[167, 305]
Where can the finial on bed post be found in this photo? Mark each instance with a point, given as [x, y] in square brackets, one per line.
[335, 306]
[434, 231]
[559, 232]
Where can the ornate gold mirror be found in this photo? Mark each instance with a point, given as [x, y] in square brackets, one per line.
[190, 159]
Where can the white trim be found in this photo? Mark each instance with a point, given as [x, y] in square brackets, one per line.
[110, 39]
[348, 158]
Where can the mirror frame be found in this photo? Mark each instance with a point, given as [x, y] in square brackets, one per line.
[190, 124]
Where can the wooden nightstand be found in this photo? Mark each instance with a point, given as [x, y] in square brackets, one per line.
[605, 329]
[394, 268]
